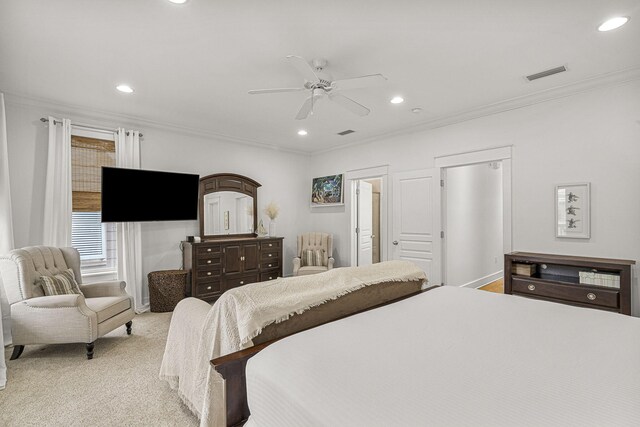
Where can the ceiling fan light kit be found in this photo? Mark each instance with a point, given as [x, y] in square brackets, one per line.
[321, 85]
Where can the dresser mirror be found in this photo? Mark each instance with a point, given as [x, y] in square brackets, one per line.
[228, 206]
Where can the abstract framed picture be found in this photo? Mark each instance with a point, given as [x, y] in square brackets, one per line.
[573, 210]
[327, 191]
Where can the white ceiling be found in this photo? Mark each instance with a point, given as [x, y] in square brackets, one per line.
[192, 65]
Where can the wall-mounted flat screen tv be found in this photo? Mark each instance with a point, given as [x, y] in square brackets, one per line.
[133, 195]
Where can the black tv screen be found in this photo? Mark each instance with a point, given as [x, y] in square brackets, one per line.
[133, 195]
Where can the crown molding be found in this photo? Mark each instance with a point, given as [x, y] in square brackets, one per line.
[593, 83]
[110, 119]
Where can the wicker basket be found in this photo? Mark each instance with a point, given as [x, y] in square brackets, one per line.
[166, 289]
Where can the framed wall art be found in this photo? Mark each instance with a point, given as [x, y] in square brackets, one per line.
[573, 211]
[327, 191]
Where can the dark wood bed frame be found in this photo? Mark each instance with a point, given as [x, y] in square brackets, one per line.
[232, 368]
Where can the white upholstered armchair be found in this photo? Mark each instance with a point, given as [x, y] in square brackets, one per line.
[307, 262]
[57, 319]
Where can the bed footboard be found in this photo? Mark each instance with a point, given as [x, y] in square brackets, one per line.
[232, 368]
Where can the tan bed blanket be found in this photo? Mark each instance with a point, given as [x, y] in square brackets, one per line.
[241, 314]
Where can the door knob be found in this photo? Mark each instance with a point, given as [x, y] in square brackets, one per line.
[395, 242]
[373, 236]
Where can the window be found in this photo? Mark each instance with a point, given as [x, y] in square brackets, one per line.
[95, 241]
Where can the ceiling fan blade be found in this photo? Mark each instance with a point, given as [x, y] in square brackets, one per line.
[303, 68]
[349, 104]
[276, 90]
[358, 82]
[307, 107]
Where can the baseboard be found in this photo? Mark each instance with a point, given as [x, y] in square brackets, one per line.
[483, 280]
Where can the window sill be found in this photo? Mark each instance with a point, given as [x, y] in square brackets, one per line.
[99, 275]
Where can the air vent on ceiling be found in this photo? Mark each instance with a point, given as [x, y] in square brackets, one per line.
[346, 132]
[546, 73]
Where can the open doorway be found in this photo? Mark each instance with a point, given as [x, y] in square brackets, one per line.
[368, 212]
[476, 204]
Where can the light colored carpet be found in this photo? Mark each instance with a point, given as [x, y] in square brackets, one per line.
[55, 385]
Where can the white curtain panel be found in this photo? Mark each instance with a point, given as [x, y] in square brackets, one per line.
[128, 233]
[58, 194]
[6, 237]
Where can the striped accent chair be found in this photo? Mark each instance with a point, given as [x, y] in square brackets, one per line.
[57, 319]
[314, 254]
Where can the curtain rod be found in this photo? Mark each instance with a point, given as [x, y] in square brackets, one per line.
[57, 121]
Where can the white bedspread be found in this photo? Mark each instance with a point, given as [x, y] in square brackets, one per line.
[240, 314]
[454, 357]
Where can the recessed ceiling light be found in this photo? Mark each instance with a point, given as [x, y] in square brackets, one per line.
[302, 132]
[178, 1]
[397, 100]
[416, 110]
[613, 23]
[125, 88]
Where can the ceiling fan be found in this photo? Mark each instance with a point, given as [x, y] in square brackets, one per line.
[320, 83]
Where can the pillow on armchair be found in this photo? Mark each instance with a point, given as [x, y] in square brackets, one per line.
[61, 284]
[312, 257]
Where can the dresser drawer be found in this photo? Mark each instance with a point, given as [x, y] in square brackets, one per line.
[208, 251]
[568, 292]
[208, 274]
[269, 275]
[270, 264]
[270, 244]
[234, 282]
[270, 255]
[209, 261]
[205, 289]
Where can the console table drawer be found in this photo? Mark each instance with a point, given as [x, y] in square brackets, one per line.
[568, 292]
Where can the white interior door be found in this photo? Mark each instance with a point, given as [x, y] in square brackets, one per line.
[416, 221]
[365, 223]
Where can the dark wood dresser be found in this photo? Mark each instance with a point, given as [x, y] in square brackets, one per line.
[218, 265]
[600, 283]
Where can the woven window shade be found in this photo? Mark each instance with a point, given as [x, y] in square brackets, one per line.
[88, 156]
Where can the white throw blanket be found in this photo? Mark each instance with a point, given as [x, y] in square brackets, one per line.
[239, 316]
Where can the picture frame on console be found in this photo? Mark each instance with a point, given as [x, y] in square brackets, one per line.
[573, 210]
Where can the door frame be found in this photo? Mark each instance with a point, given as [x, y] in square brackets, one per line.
[496, 154]
[351, 177]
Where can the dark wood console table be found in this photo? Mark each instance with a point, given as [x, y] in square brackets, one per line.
[600, 283]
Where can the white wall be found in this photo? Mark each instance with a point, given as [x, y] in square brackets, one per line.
[280, 174]
[473, 224]
[592, 136]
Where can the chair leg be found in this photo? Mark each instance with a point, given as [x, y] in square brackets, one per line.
[90, 350]
[128, 325]
[17, 351]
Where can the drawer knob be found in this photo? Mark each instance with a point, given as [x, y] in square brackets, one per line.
[591, 296]
[270, 244]
[208, 273]
[208, 288]
[270, 278]
[269, 265]
[242, 282]
[531, 287]
[208, 249]
[270, 255]
[209, 262]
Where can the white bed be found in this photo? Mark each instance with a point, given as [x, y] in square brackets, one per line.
[453, 357]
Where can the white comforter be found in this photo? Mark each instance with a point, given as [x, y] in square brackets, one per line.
[454, 357]
[198, 333]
